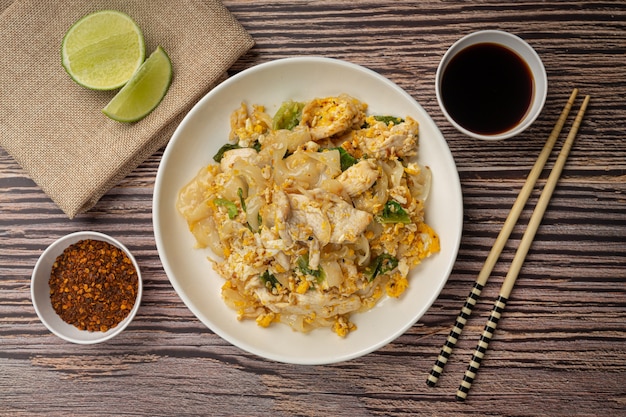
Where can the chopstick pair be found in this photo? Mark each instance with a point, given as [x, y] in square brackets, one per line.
[520, 255]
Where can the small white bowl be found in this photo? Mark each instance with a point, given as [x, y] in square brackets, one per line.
[40, 292]
[523, 50]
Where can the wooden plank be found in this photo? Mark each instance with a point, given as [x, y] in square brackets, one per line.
[560, 347]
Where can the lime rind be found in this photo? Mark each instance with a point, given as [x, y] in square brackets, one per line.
[144, 91]
[102, 50]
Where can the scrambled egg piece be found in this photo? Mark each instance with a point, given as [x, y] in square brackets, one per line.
[330, 116]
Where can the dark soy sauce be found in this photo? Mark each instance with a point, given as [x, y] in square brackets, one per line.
[487, 88]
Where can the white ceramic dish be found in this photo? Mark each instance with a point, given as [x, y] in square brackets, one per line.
[40, 291]
[205, 129]
[523, 50]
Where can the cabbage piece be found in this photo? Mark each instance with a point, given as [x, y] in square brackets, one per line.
[288, 115]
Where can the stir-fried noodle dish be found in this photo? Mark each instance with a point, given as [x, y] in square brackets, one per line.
[313, 213]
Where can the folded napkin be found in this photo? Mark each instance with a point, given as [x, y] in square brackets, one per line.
[55, 129]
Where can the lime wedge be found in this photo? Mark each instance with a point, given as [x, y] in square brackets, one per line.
[144, 91]
[103, 50]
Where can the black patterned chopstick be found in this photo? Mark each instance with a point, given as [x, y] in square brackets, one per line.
[501, 240]
[518, 260]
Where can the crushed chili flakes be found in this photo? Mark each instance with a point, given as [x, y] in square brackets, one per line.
[93, 285]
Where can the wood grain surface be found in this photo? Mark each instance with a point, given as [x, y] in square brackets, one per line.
[560, 348]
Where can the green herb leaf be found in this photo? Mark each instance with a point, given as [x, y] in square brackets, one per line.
[393, 213]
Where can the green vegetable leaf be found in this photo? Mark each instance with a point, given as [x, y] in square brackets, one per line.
[230, 146]
[220, 154]
[241, 199]
[269, 280]
[382, 264]
[288, 115]
[303, 266]
[345, 159]
[386, 119]
[230, 207]
[389, 119]
[393, 213]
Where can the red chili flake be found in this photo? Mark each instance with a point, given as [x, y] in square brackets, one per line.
[93, 285]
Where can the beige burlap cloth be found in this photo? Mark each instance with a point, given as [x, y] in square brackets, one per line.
[55, 129]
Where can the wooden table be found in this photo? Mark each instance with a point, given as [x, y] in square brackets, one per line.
[560, 348]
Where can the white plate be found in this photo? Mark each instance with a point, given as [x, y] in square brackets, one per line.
[205, 129]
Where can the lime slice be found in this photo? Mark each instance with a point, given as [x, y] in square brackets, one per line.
[144, 91]
[103, 50]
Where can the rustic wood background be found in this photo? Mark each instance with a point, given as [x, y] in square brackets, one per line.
[560, 349]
